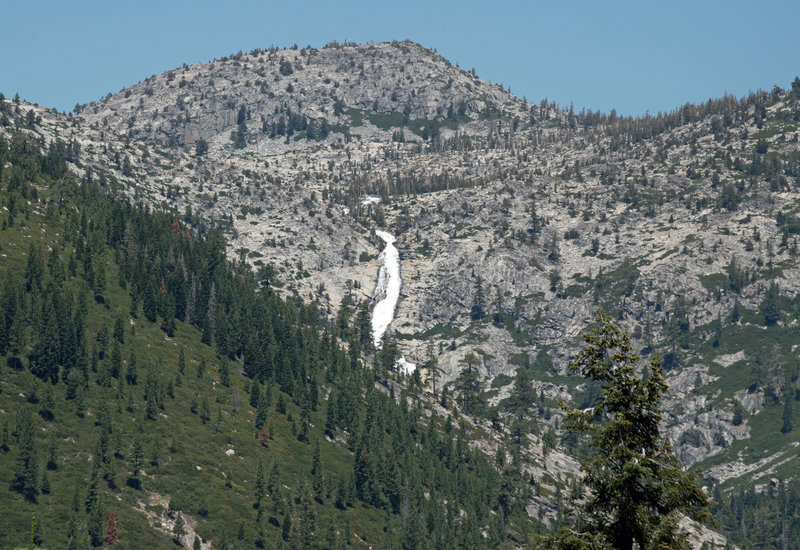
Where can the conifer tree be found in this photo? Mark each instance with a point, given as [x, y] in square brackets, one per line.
[96, 524]
[469, 385]
[26, 467]
[261, 484]
[205, 410]
[135, 463]
[521, 400]
[131, 375]
[178, 530]
[36, 531]
[317, 481]
[5, 438]
[224, 373]
[262, 410]
[52, 458]
[478, 311]
[788, 424]
[638, 487]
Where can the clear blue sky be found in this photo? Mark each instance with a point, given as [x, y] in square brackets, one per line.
[630, 55]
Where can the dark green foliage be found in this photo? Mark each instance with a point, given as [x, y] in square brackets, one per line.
[788, 424]
[135, 463]
[770, 306]
[96, 523]
[519, 404]
[200, 147]
[178, 530]
[638, 488]
[478, 310]
[469, 385]
[26, 467]
[766, 519]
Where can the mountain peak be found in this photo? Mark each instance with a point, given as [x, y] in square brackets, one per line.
[286, 92]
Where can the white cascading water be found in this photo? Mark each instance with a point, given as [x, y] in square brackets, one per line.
[387, 292]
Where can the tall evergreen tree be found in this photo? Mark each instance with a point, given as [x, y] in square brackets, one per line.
[260, 484]
[788, 423]
[26, 467]
[638, 487]
[478, 310]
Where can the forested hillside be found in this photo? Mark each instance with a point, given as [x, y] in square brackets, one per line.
[150, 390]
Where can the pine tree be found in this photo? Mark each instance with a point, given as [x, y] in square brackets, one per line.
[5, 438]
[317, 481]
[262, 410]
[432, 365]
[255, 393]
[135, 463]
[93, 486]
[151, 389]
[224, 373]
[189, 311]
[36, 531]
[26, 468]
[261, 484]
[273, 480]
[478, 311]
[178, 530]
[34, 269]
[521, 400]
[330, 415]
[212, 309]
[788, 424]
[201, 368]
[119, 330]
[469, 385]
[169, 326]
[96, 524]
[131, 375]
[638, 487]
[205, 410]
[770, 306]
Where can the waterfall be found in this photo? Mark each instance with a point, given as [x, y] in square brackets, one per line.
[387, 293]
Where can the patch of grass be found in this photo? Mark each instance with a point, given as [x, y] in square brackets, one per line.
[356, 117]
[501, 380]
[443, 331]
[388, 121]
[714, 281]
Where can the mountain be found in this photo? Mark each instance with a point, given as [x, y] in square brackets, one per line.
[514, 222]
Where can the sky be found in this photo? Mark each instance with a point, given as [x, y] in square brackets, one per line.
[634, 56]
